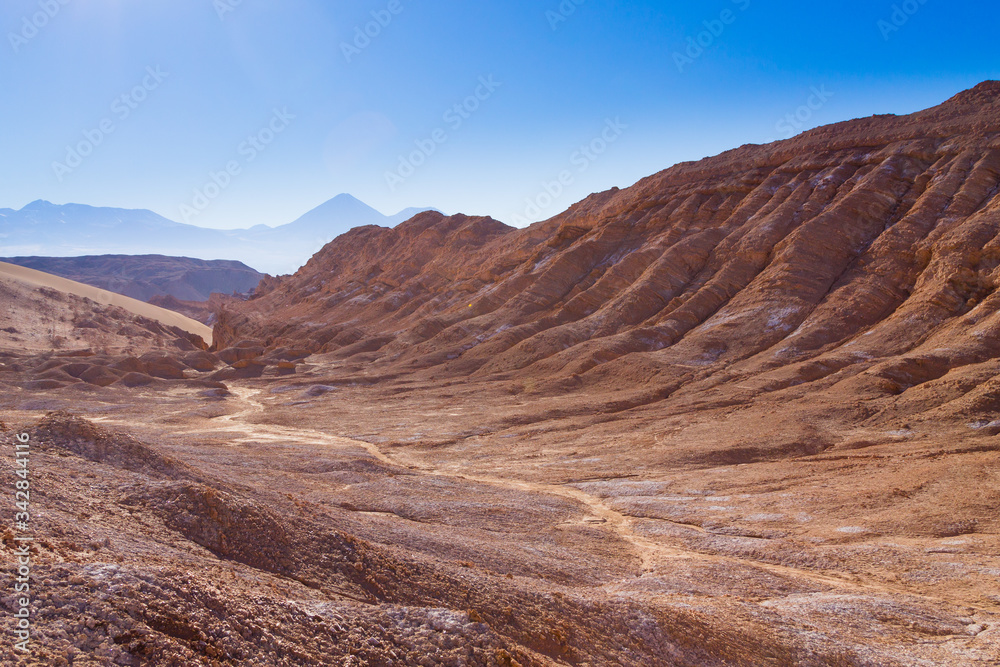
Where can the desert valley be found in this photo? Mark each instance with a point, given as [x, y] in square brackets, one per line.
[744, 412]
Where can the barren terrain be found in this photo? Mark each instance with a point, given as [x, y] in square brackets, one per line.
[742, 413]
[25, 297]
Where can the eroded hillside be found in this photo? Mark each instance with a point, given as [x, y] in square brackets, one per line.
[741, 413]
[860, 258]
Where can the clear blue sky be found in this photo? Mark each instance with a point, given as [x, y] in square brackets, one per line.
[224, 73]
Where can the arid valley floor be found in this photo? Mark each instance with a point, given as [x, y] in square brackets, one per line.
[459, 525]
[742, 413]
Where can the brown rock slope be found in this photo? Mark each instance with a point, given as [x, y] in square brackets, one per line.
[860, 258]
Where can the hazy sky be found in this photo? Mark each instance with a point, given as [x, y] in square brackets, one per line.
[137, 103]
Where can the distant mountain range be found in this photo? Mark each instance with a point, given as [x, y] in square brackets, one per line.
[70, 230]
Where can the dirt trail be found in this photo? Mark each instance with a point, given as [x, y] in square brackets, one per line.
[237, 422]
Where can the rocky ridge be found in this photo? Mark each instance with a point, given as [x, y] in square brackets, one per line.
[859, 258]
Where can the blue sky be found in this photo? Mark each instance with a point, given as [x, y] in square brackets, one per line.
[265, 96]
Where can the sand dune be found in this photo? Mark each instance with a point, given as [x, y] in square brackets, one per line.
[162, 315]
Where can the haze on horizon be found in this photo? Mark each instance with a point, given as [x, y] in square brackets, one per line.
[267, 108]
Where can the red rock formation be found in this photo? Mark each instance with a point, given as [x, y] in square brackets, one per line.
[866, 250]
